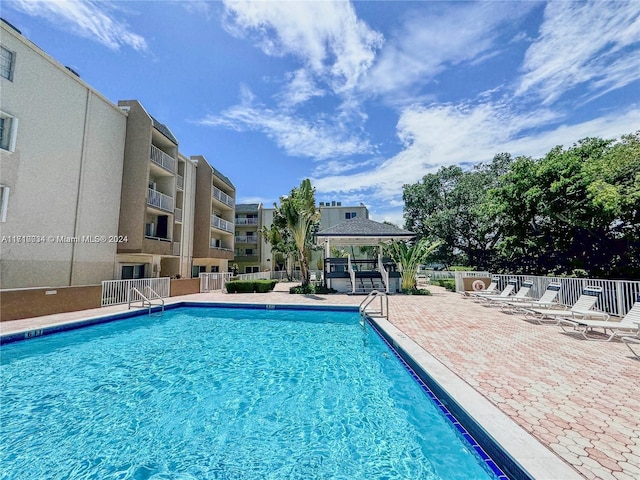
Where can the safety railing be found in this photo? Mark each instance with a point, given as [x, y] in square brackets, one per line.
[352, 274]
[116, 292]
[384, 273]
[383, 312]
[211, 282]
[617, 298]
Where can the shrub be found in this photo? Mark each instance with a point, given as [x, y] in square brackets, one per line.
[448, 283]
[415, 291]
[250, 286]
[263, 286]
[311, 289]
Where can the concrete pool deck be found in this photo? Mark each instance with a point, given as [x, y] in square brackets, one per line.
[579, 400]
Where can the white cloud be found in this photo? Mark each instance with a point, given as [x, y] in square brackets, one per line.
[583, 43]
[300, 88]
[443, 135]
[90, 19]
[429, 43]
[322, 139]
[327, 36]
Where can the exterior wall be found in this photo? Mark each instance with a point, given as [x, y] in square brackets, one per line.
[35, 302]
[333, 215]
[244, 231]
[188, 207]
[135, 178]
[205, 207]
[64, 175]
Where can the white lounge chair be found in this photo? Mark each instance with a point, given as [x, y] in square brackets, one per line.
[582, 309]
[628, 341]
[508, 290]
[521, 295]
[547, 300]
[630, 323]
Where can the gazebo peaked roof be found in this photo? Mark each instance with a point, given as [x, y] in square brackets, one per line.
[362, 232]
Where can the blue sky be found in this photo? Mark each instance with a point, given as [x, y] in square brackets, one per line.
[361, 97]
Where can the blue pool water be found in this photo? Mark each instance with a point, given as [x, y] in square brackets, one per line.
[215, 393]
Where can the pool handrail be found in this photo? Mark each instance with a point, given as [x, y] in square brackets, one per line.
[149, 304]
[384, 309]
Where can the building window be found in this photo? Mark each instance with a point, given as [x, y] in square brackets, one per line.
[7, 63]
[8, 129]
[130, 272]
[349, 215]
[249, 251]
[4, 202]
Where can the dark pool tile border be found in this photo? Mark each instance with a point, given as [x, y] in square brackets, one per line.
[486, 447]
[63, 327]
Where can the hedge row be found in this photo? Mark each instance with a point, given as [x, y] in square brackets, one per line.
[250, 286]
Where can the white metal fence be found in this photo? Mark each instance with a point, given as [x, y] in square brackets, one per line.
[210, 282]
[617, 298]
[116, 292]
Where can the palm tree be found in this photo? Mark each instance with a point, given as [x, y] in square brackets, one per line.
[409, 258]
[296, 219]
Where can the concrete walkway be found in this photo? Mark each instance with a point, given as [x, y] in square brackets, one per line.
[579, 399]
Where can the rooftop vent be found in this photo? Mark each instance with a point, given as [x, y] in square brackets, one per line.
[339, 204]
[322, 204]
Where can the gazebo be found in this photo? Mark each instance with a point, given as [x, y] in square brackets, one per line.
[360, 276]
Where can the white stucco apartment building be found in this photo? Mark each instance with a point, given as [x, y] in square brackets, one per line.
[61, 162]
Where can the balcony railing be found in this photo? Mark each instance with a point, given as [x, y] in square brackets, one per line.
[178, 215]
[247, 239]
[159, 200]
[160, 158]
[221, 196]
[246, 221]
[221, 224]
[218, 246]
[176, 248]
[180, 182]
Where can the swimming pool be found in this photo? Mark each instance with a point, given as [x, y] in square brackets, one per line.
[223, 393]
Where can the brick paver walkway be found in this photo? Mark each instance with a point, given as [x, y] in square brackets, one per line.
[579, 398]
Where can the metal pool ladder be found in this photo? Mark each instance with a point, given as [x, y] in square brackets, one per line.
[146, 302]
[384, 306]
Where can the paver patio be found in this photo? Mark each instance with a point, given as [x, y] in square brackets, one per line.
[580, 399]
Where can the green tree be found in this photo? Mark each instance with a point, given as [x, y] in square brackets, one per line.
[447, 206]
[295, 221]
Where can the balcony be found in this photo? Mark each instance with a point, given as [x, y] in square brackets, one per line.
[160, 158]
[221, 224]
[221, 196]
[247, 239]
[177, 215]
[159, 200]
[246, 221]
[179, 182]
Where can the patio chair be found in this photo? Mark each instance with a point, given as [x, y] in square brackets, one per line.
[508, 290]
[521, 295]
[628, 341]
[547, 300]
[630, 323]
[582, 309]
[491, 289]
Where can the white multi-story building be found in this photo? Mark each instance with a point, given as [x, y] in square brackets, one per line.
[61, 163]
[93, 191]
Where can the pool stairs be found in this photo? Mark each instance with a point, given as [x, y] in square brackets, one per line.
[134, 295]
